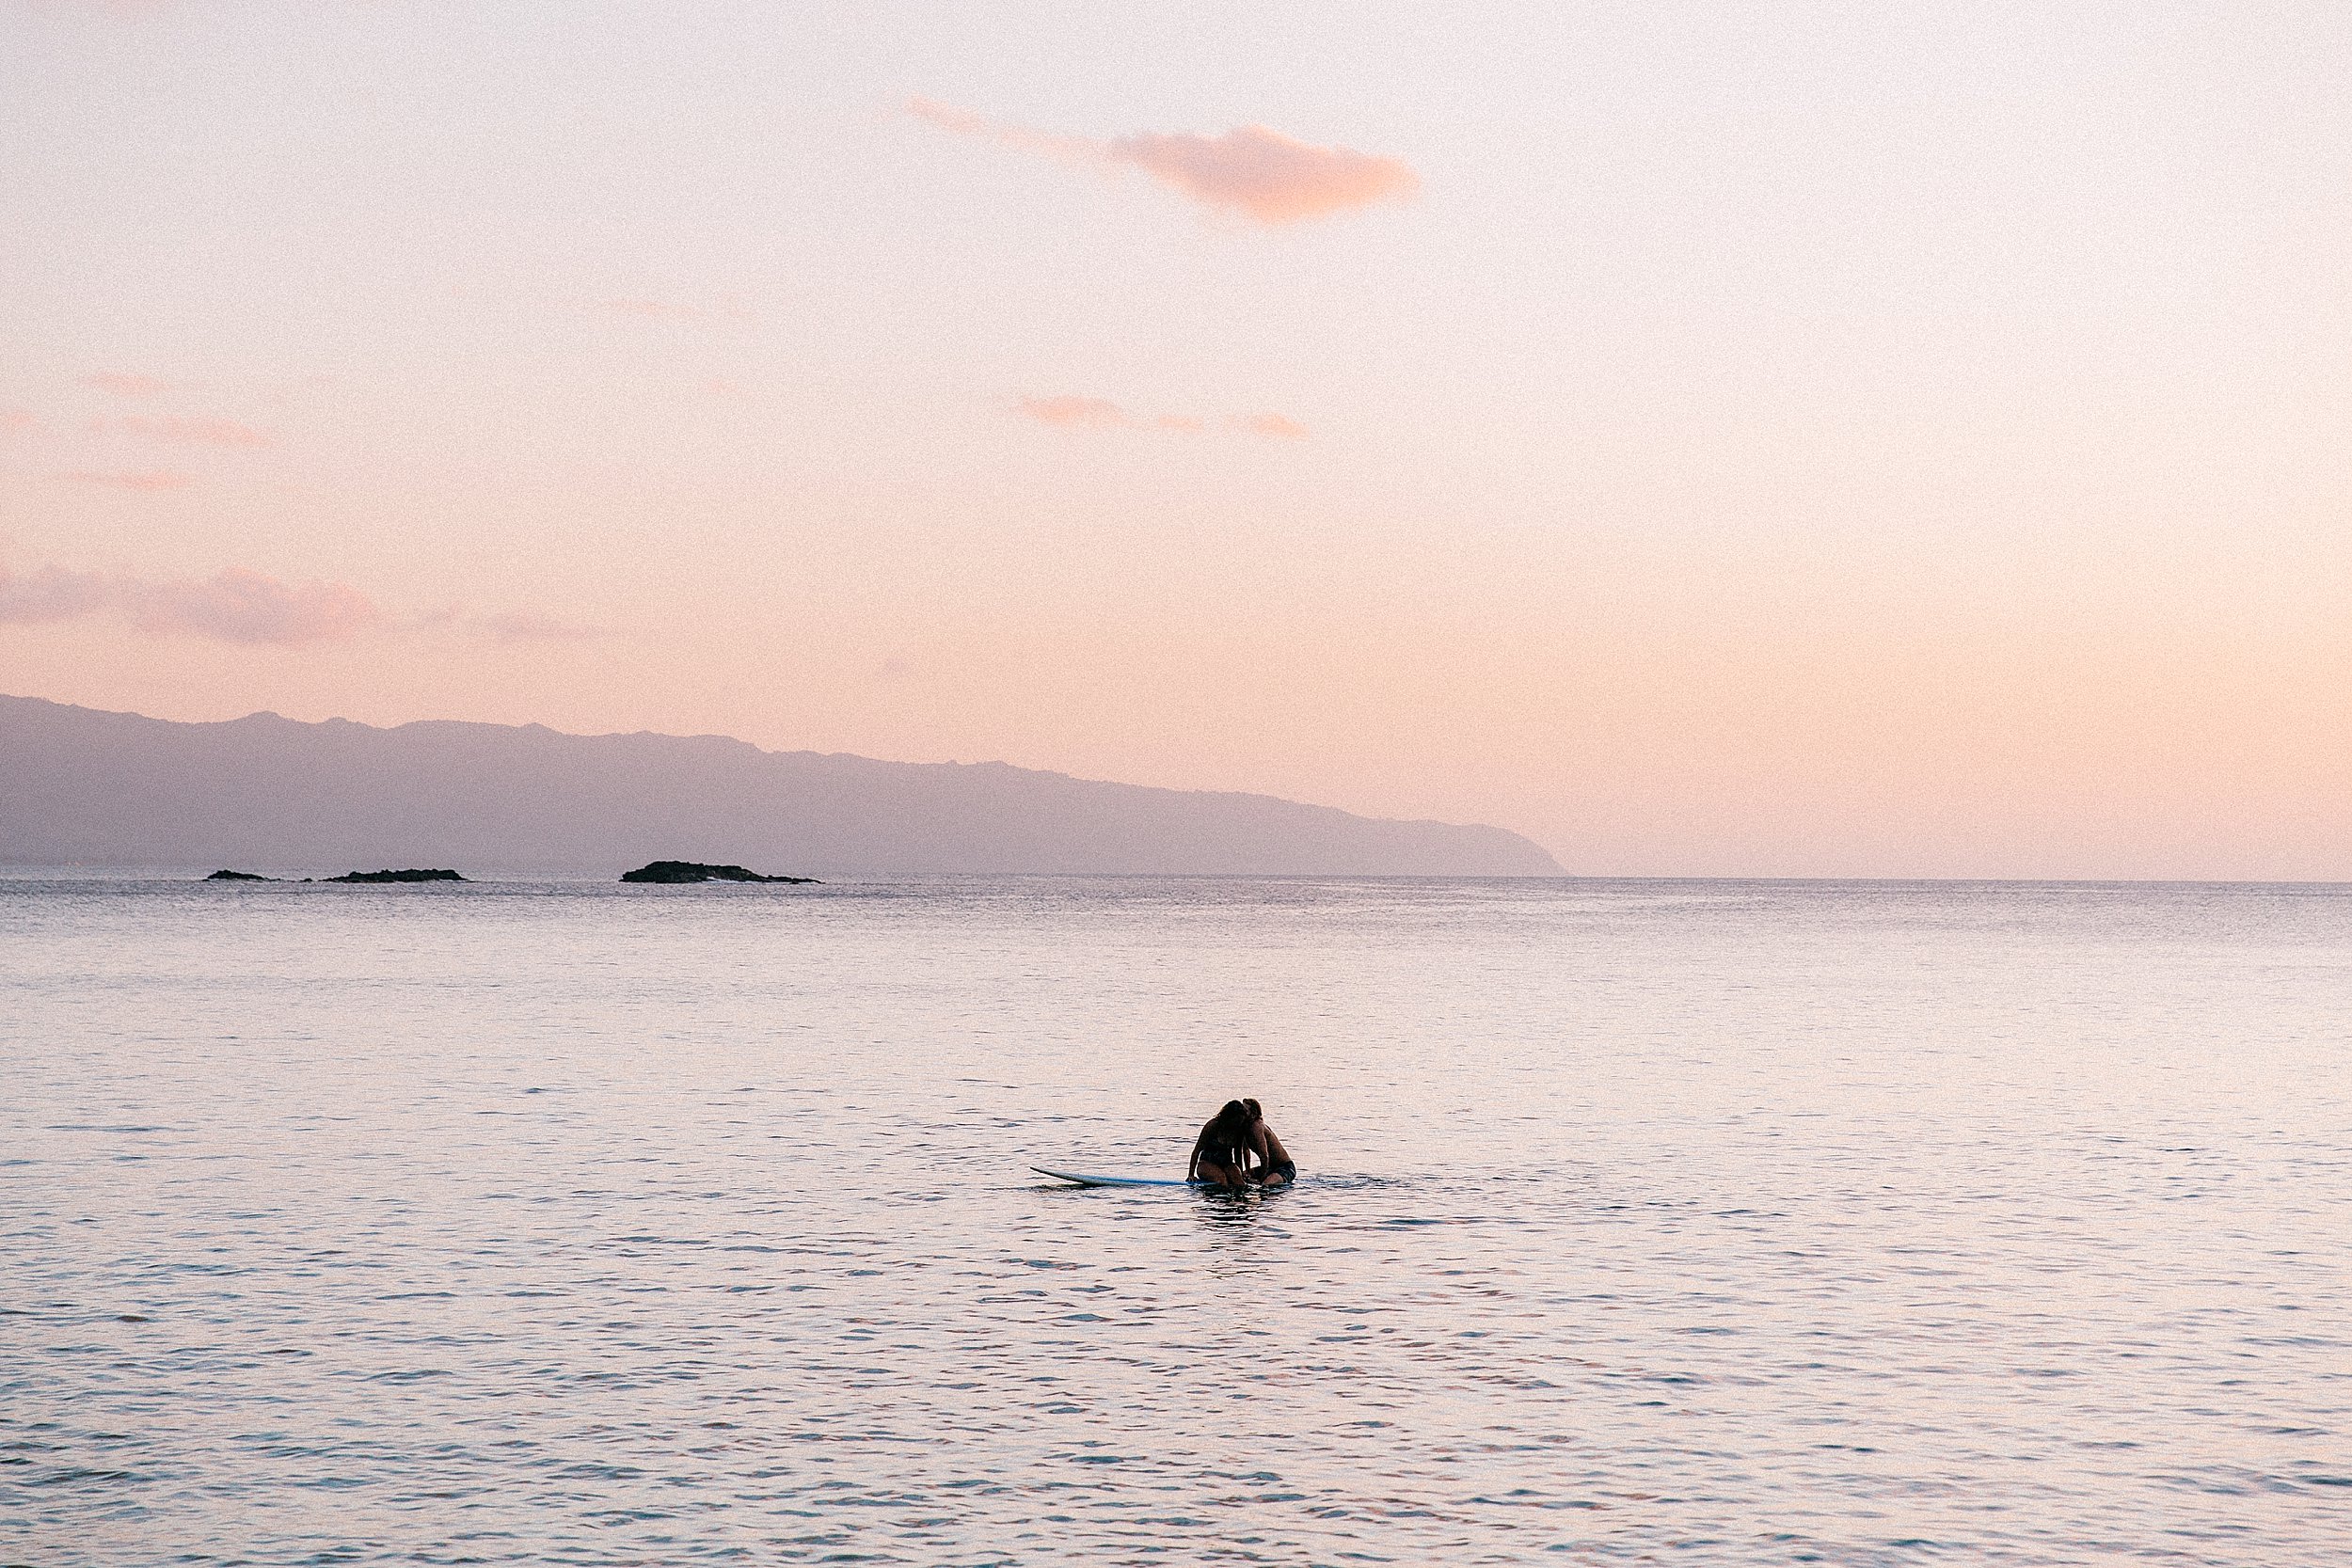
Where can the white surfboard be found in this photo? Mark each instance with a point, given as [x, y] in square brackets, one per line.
[1085, 1180]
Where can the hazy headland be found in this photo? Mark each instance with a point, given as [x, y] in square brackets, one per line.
[83, 786]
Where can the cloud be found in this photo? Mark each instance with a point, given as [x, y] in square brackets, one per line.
[1070, 411]
[53, 593]
[154, 479]
[126, 385]
[239, 605]
[16, 422]
[1250, 170]
[1266, 175]
[252, 609]
[1069, 150]
[232, 606]
[211, 433]
[1274, 425]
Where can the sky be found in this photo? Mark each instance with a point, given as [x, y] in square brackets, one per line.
[1809, 439]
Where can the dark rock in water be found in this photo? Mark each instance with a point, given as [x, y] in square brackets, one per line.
[395, 877]
[694, 871]
[239, 877]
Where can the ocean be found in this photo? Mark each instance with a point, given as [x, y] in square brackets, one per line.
[1740, 1223]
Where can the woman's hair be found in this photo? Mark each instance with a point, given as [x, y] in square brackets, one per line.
[1227, 1136]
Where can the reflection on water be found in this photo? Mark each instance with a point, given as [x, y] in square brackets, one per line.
[1239, 1223]
[1726, 1223]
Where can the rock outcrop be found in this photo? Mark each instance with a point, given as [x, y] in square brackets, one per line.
[694, 871]
[393, 877]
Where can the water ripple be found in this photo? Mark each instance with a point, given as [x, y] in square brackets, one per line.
[1713, 1223]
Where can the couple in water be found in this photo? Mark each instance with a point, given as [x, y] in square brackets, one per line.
[1237, 1150]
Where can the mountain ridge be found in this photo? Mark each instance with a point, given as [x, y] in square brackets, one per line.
[87, 785]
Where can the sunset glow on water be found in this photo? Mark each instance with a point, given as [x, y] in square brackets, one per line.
[1735, 1223]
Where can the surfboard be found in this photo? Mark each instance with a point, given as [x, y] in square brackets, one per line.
[1085, 1180]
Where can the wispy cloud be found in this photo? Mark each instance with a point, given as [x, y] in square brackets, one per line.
[243, 606]
[252, 609]
[53, 593]
[1281, 427]
[1250, 170]
[123, 385]
[237, 605]
[1070, 411]
[17, 421]
[150, 479]
[1267, 175]
[187, 432]
[1020, 138]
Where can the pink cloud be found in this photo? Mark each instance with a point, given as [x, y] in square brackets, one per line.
[1069, 150]
[1276, 425]
[214, 433]
[232, 606]
[1072, 412]
[156, 479]
[243, 606]
[1251, 170]
[16, 422]
[1266, 175]
[53, 593]
[124, 386]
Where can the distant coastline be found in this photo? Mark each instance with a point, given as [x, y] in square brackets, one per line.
[264, 795]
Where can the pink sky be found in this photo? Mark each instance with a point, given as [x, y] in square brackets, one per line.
[1813, 442]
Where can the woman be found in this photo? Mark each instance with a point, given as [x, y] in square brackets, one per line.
[1220, 1155]
[1276, 1169]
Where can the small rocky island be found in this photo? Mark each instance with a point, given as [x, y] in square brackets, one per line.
[694, 871]
[410, 876]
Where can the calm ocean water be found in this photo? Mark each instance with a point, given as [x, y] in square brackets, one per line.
[1702, 1223]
